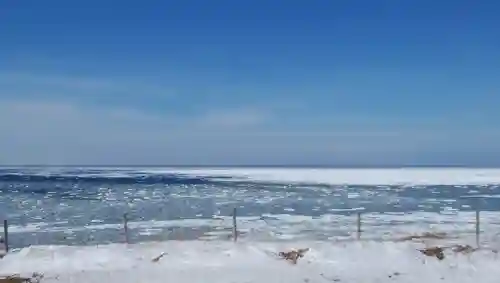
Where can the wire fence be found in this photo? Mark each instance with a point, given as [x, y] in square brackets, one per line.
[357, 226]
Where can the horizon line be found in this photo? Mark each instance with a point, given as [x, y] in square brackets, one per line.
[322, 166]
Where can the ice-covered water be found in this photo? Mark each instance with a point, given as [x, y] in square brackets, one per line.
[86, 205]
[276, 207]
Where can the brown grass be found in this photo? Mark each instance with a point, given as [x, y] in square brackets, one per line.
[426, 235]
[463, 249]
[438, 252]
[434, 252]
[156, 259]
[16, 278]
[294, 255]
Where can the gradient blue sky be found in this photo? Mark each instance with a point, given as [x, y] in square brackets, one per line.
[376, 83]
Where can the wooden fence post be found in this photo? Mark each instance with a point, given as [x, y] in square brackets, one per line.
[235, 231]
[478, 228]
[359, 226]
[125, 227]
[6, 235]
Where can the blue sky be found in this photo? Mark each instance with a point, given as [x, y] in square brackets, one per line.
[378, 83]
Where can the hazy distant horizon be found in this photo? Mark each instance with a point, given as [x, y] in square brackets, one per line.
[312, 166]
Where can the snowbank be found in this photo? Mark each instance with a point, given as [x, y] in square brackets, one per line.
[199, 261]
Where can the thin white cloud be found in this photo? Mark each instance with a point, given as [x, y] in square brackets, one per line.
[54, 84]
[235, 118]
[64, 133]
[57, 132]
[58, 81]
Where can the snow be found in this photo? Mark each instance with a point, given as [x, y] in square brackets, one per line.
[218, 261]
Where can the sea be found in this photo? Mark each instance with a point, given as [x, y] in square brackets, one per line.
[66, 221]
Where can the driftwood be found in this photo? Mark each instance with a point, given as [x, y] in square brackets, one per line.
[294, 255]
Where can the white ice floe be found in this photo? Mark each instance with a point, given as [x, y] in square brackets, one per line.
[399, 176]
[333, 176]
[221, 262]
